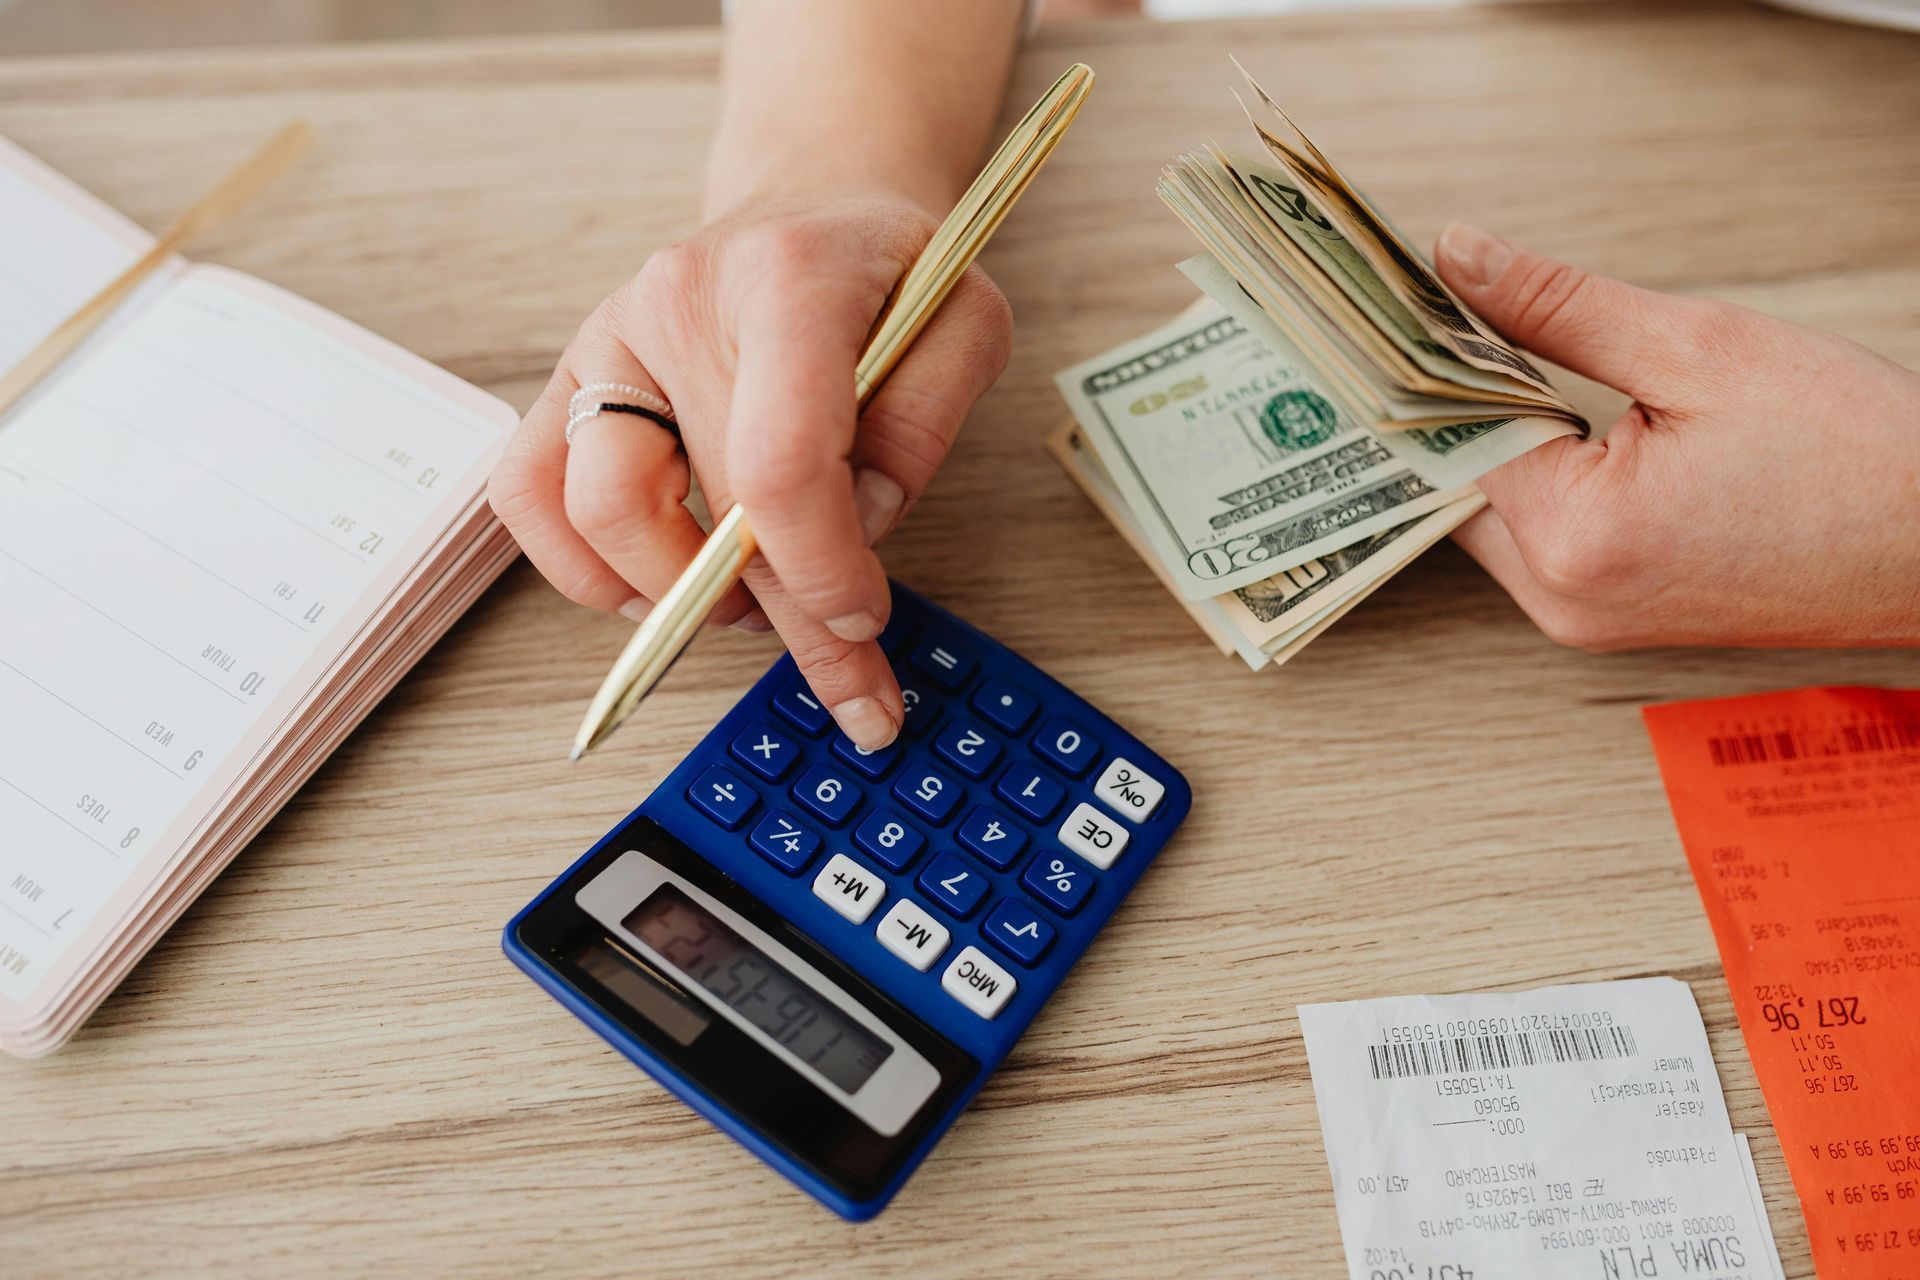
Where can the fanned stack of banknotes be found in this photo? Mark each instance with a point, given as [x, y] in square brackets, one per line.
[1313, 423]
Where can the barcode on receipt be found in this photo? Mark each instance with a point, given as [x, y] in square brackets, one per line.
[1861, 737]
[1462, 1055]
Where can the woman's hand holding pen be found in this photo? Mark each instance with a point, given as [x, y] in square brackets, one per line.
[750, 329]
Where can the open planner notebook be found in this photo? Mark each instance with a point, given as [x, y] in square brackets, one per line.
[228, 525]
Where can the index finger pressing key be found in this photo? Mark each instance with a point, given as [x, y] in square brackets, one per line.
[792, 428]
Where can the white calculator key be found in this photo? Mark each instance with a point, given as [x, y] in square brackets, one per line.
[849, 888]
[1129, 790]
[978, 982]
[1093, 835]
[912, 934]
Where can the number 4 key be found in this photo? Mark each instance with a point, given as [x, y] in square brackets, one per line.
[993, 836]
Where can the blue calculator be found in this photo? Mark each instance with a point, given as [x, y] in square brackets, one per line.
[826, 951]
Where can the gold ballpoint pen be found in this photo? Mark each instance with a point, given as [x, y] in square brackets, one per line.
[674, 621]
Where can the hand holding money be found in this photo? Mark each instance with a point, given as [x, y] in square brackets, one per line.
[1319, 420]
[1336, 405]
[1762, 490]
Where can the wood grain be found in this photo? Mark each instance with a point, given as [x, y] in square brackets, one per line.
[328, 1068]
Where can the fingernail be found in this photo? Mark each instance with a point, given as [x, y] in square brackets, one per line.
[1477, 257]
[636, 609]
[856, 626]
[866, 722]
[753, 621]
[879, 501]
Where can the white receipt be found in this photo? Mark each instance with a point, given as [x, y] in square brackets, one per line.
[1567, 1131]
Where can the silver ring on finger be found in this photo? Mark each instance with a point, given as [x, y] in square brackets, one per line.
[597, 398]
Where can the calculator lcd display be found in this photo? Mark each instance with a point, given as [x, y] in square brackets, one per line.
[799, 1019]
[645, 992]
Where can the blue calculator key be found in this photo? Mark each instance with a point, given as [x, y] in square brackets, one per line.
[901, 624]
[826, 795]
[947, 663]
[952, 885]
[723, 795]
[967, 749]
[1030, 792]
[784, 842]
[992, 836]
[797, 703]
[922, 709]
[928, 792]
[1016, 929]
[1066, 746]
[871, 765]
[1004, 707]
[1060, 880]
[766, 751]
[888, 840]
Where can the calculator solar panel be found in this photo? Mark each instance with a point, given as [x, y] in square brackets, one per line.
[826, 951]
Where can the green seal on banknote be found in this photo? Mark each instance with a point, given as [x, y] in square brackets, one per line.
[1298, 420]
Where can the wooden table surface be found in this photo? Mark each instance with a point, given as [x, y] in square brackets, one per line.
[328, 1067]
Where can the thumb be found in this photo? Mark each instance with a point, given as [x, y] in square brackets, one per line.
[1605, 329]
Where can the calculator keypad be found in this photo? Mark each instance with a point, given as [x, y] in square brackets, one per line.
[784, 842]
[1129, 790]
[928, 792]
[978, 983]
[797, 703]
[1035, 823]
[921, 710]
[1032, 793]
[724, 796]
[947, 663]
[1066, 746]
[890, 841]
[766, 751]
[1004, 706]
[1059, 880]
[953, 886]
[827, 794]
[900, 626]
[992, 836]
[849, 888]
[913, 935]
[1018, 930]
[966, 748]
[1093, 835]
[871, 765]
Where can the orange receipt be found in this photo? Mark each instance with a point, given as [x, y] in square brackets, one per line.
[1800, 813]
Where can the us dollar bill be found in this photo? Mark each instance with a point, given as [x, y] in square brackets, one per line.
[1267, 622]
[1234, 462]
[1270, 200]
[1443, 456]
[1403, 271]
